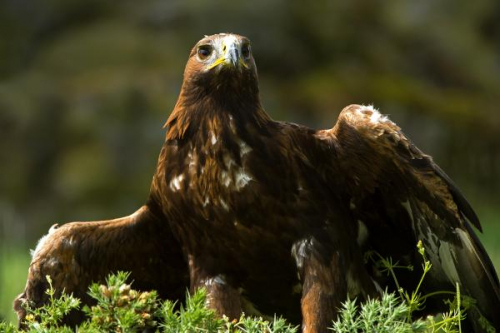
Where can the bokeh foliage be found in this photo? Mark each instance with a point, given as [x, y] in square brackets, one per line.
[85, 87]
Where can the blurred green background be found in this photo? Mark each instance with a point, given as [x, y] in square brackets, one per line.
[85, 87]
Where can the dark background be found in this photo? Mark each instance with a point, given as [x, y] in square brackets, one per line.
[85, 87]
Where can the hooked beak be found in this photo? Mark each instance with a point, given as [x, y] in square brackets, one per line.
[230, 54]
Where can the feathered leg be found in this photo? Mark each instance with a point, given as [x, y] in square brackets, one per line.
[328, 275]
[322, 290]
[222, 295]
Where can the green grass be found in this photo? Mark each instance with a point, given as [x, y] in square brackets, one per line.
[14, 263]
[490, 220]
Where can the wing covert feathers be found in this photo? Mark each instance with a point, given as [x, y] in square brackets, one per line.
[400, 193]
[80, 253]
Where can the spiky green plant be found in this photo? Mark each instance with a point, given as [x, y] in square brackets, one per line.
[48, 319]
[119, 308]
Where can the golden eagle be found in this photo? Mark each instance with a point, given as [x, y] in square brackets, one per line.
[274, 217]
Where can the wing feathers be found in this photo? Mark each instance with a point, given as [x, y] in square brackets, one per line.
[386, 149]
[381, 165]
[460, 200]
[79, 253]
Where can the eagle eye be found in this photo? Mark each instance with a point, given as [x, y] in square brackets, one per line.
[245, 50]
[204, 51]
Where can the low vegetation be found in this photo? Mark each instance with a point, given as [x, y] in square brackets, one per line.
[119, 308]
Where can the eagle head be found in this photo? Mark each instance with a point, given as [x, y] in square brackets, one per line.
[222, 52]
[221, 62]
[220, 83]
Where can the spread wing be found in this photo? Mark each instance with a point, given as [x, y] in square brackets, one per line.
[79, 253]
[398, 196]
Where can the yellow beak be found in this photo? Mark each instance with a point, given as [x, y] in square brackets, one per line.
[230, 54]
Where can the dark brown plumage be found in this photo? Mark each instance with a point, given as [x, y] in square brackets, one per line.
[274, 217]
[79, 253]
